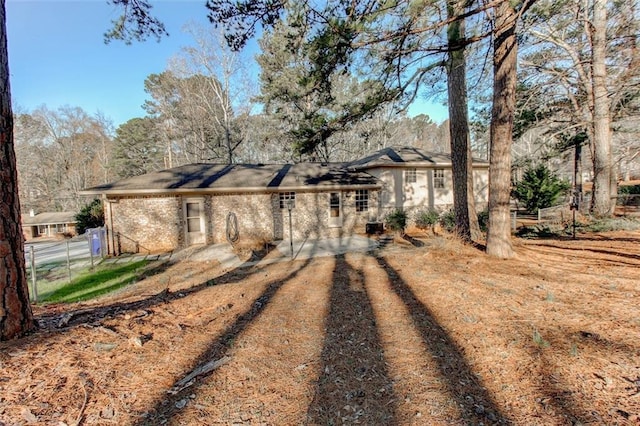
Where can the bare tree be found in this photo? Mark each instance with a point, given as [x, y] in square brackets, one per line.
[60, 153]
[581, 72]
[228, 94]
[601, 203]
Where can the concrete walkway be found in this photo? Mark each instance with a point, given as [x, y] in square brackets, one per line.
[222, 252]
[327, 246]
[309, 248]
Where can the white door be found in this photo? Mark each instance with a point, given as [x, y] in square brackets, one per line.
[335, 210]
[194, 220]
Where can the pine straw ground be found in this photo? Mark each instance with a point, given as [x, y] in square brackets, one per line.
[439, 334]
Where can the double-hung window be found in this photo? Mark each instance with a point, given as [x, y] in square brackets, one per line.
[287, 198]
[438, 178]
[410, 176]
[362, 200]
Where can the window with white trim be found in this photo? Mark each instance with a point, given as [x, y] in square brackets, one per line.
[438, 178]
[362, 200]
[410, 176]
[284, 200]
[334, 204]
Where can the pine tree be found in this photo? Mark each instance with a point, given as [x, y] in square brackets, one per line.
[539, 188]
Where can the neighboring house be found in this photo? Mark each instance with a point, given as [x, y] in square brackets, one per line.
[48, 224]
[213, 203]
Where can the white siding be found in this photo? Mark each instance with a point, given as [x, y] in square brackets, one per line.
[396, 193]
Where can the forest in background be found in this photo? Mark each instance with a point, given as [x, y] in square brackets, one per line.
[205, 107]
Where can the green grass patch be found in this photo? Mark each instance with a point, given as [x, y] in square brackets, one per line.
[105, 280]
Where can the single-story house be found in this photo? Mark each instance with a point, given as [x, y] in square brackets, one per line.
[212, 203]
[48, 224]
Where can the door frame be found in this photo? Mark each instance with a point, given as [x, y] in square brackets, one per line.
[202, 238]
[335, 221]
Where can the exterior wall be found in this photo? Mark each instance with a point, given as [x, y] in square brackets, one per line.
[30, 232]
[354, 221]
[481, 188]
[254, 214]
[144, 223]
[414, 196]
[157, 223]
[310, 217]
[260, 218]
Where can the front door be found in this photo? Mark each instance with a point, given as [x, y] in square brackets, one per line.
[194, 219]
[335, 210]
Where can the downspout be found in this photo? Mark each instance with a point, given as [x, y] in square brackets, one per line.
[112, 249]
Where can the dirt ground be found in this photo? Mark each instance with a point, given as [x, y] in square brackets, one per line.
[439, 334]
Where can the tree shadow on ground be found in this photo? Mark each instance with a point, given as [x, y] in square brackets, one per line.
[166, 408]
[603, 251]
[551, 248]
[413, 241]
[476, 404]
[598, 237]
[558, 400]
[559, 397]
[354, 386]
[61, 320]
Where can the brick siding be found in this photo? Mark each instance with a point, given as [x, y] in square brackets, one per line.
[145, 223]
[156, 223]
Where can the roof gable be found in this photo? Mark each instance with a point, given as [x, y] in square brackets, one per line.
[406, 157]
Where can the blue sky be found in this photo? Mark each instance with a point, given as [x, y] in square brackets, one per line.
[57, 56]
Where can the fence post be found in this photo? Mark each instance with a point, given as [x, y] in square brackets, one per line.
[32, 261]
[514, 220]
[91, 250]
[104, 245]
[68, 262]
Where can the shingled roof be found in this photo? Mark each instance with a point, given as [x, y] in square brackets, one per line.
[407, 157]
[49, 218]
[226, 178]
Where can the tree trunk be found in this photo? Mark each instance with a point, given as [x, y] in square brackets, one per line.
[474, 224]
[227, 139]
[461, 162]
[601, 201]
[16, 318]
[505, 50]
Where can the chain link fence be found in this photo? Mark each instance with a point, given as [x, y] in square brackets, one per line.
[54, 263]
[628, 204]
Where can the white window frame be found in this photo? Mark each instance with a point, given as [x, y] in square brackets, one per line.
[362, 200]
[335, 221]
[411, 175]
[284, 197]
[438, 179]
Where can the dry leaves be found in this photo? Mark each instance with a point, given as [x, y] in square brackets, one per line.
[439, 334]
